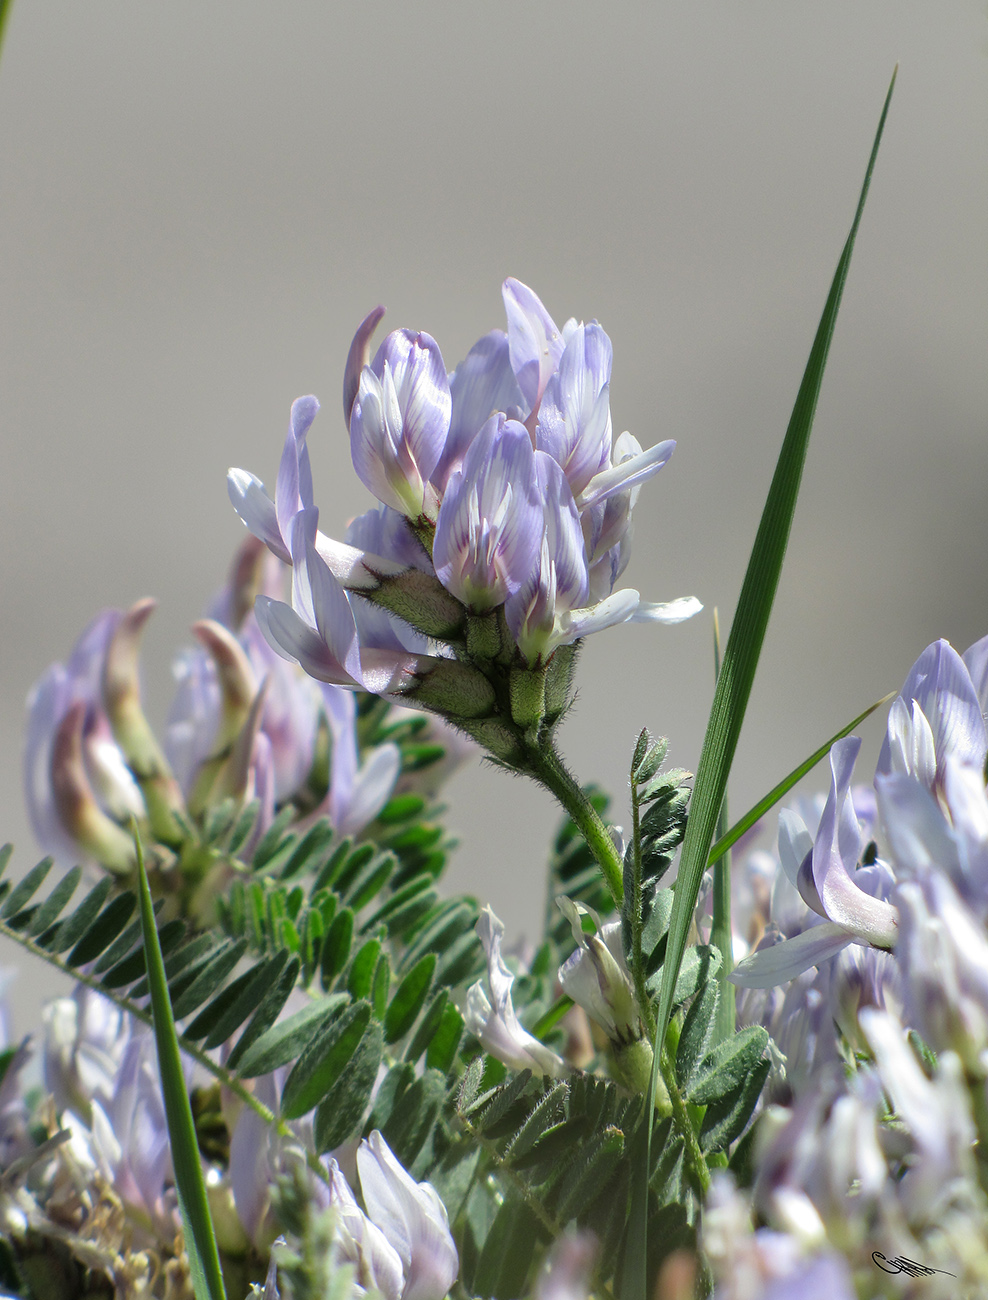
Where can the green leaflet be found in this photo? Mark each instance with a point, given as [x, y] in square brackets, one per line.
[734, 683]
[200, 1240]
[340, 1112]
[409, 999]
[282, 1042]
[325, 1058]
[724, 1070]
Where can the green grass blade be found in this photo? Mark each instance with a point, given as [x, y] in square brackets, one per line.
[737, 675]
[200, 1241]
[779, 791]
[751, 619]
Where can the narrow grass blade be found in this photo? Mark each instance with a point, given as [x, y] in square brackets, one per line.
[200, 1241]
[751, 619]
[735, 680]
[779, 791]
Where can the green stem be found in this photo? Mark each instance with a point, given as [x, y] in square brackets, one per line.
[695, 1160]
[546, 766]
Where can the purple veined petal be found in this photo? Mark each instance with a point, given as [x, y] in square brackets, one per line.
[976, 662]
[411, 1217]
[319, 598]
[400, 420]
[574, 420]
[782, 962]
[293, 639]
[357, 358]
[629, 473]
[354, 569]
[293, 491]
[912, 749]
[490, 526]
[535, 343]
[940, 683]
[481, 385]
[252, 503]
[559, 580]
[835, 852]
[668, 611]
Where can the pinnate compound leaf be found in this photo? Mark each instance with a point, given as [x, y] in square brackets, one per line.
[49, 911]
[103, 930]
[587, 1179]
[206, 980]
[66, 934]
[442, 1050]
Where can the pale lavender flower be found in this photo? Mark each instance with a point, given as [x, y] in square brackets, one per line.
[574, 422]
[497, 1026]
[399, 422]
[491, 518]
[361, 1243]
[357, 790]
[130, 1136]
[412, 1218]
[558, 581]
[535, 343]
[937, 714]
[78, 787]
[851, 911]
[318, 630]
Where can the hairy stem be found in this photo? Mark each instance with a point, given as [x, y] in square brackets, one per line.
[545, 764]
[695, 1160]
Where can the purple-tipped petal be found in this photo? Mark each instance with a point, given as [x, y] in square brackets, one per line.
[490, 525]
[534, 341]
[357, 358]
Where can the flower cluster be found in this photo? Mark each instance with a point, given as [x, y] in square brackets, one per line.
[244, 726]
[504, 523]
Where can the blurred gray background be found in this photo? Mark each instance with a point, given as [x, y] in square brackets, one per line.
[200, 201]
